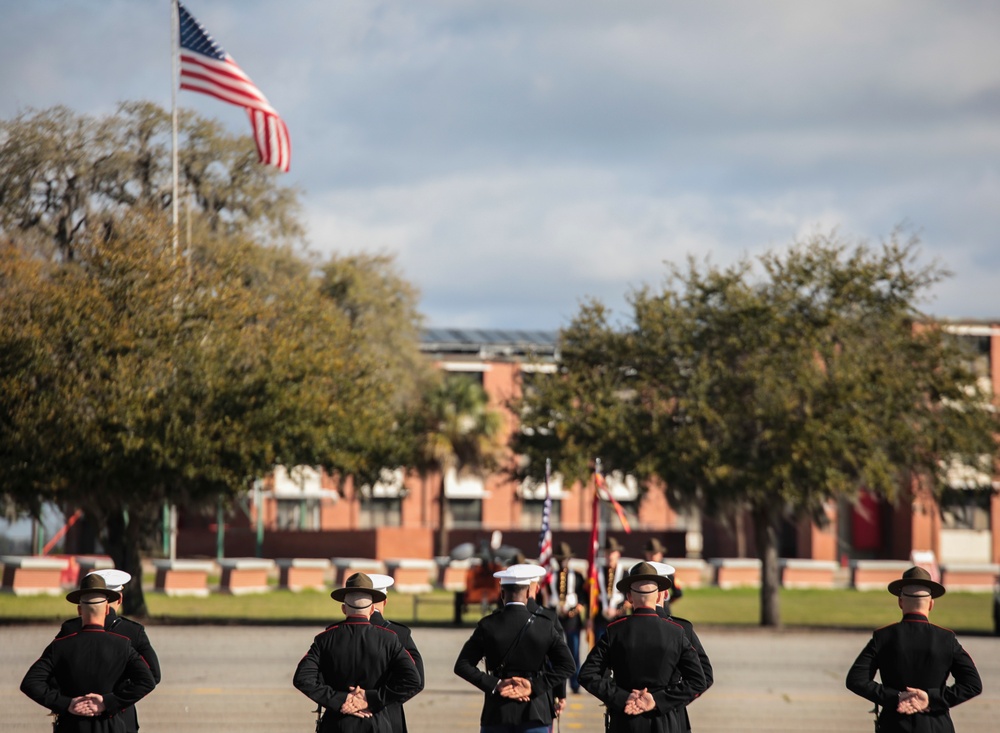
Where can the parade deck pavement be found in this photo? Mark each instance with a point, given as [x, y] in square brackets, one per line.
[238, 678]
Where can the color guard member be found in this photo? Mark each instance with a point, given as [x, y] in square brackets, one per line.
[612, 601]
[565, 596]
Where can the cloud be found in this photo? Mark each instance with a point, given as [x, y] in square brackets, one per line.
[519, 156]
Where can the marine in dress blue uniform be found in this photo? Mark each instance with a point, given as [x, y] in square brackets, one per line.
[135, 632]
[914, 659]
[394, 711]
[663, 610]
[88, 677]
[653, 668]
[565, 598]
[354, 669]
[526, 657]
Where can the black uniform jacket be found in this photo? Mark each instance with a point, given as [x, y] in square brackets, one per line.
[540, 654]
[354, 653]
[643, 651]
[914, 653]
[136, 633]
[559, 691]
[394, 711]
[706, 665]
[92, 660]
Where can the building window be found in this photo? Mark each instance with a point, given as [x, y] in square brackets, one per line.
[966, 509]
[975, 352]
[298, 514]
[531, 514]
[475, 377]
[381, 512]
[465, 513]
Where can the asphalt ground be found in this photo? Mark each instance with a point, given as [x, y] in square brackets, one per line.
[238, 678]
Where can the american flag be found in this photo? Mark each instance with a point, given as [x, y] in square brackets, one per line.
[545, 540]
[207, 68]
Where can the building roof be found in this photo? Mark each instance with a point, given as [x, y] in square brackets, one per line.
[492, 343]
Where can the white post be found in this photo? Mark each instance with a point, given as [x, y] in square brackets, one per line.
[175, 44]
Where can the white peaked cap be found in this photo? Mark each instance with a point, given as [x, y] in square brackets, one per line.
[517, 575]
[526, 570]
[381, 582]
[663, 569]
[114, 579]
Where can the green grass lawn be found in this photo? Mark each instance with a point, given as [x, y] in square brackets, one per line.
[970, 612]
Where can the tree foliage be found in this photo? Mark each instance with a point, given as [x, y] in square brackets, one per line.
[771, 390]
[62, 173]
[131, 375]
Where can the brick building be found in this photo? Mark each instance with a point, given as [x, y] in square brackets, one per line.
[305, 513]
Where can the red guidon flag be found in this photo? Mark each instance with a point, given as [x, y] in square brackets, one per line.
[207, 68]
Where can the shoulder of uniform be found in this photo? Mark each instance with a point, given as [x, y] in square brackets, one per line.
[385, 628]
[943, 628]
[115, 635]
[681, 621]
[398, 627]
[128, 622]
[547, 613]
[64, 637]
[619, 620]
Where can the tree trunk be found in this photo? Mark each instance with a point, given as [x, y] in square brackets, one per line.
[122, 545]
[765, 523]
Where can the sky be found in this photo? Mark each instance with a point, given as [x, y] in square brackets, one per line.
[520, 157]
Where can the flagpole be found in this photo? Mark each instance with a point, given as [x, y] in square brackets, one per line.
[175, 24]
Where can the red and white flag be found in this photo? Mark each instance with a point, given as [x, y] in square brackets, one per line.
[207, 68]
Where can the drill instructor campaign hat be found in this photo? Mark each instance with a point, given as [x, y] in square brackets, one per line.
[613, 545]
[358, 583]
[654, 545]
[643, 572]
[92, 589]
[916, 582]
[565, 552]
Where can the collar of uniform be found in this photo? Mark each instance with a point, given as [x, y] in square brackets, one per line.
[644, 612]
[517, 603]
[93, 627]
[357, 620]
[915, 618]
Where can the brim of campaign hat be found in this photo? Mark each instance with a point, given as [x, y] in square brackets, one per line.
[654, 545]
[92, 585]
[613, 545]
[358, 583]
[564, 553]
[643, 572]
[919, 577]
